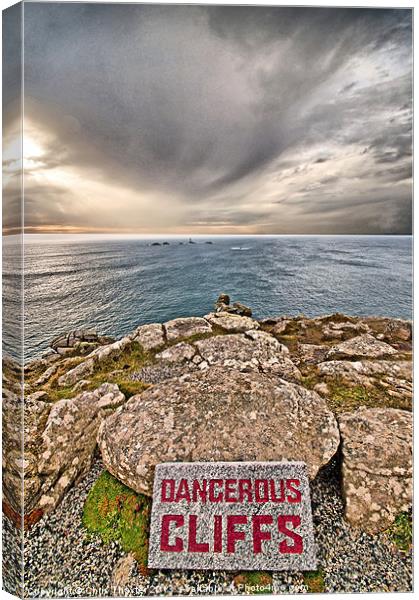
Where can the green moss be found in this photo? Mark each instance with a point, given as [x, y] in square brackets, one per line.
[401, 532]
[314, 580]
[116, 512]
[254, 582]
[344, 397]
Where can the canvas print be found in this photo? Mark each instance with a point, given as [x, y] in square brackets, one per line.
[207, 299]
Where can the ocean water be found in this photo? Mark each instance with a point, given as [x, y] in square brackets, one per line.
[116, 284]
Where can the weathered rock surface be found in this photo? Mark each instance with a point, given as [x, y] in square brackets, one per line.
[216, 415]
[179, 353]
[60, 440]
[364, 345]
[232, 323]
[311, 354]
[87, 367]
[281, 326]
[398, 329]
[150, 336]
[186, 327]
[69, 340]
[256, 350]
[377, 466]
[357, 370]
[68, 440]
[341, 329]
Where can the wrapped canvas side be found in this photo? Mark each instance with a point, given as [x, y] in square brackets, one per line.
[13, 403]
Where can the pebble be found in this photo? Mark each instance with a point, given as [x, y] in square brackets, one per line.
[62, 559]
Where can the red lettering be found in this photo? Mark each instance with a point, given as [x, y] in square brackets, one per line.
[218, 532]
[167, 485]
[199, 490]
[183, 491]
[295, 521]
[212, 496]
[193, 545]
[296, 497]
[232, 534]
[258, 534]
[165, 546]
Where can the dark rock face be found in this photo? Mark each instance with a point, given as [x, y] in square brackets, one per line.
[223, 305]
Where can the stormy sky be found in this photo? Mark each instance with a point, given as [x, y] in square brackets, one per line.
[188, 119]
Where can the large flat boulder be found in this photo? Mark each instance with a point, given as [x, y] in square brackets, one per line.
[217, 415]
[377, 466]
[186, 327]
[232, 323]
[150, 336]
[365, 345]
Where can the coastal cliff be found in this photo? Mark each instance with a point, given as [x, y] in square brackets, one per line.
[332, 391]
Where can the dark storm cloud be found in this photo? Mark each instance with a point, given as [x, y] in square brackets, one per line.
[226, 110]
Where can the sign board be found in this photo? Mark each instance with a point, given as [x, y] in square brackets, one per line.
[233, 516]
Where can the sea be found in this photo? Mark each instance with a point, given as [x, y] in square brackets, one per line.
[115, 283]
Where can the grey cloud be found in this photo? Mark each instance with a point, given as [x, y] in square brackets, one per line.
[202, 102]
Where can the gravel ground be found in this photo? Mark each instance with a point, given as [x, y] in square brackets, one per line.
[62, 560]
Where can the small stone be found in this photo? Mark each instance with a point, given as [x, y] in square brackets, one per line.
[322, 389]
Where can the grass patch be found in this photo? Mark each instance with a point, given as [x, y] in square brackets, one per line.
[117, 369]
[254, 582]
[314, 580]
[116, 512]
[401, 532]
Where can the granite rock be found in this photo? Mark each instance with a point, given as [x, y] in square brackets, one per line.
[377, 466]
[216, 415]
[232, 323]
[356, 371]
[364, 345]
[311, 354]
[69, 340]
[255, 350]
[179, 353]
[186, 327]
[68, 440]
[93, 360]
[150, 336]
